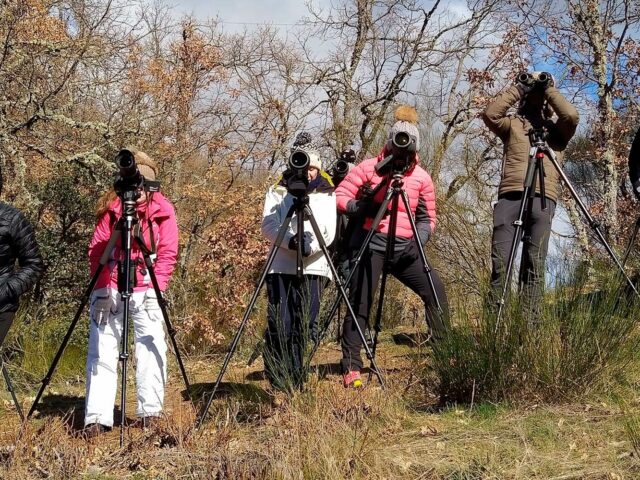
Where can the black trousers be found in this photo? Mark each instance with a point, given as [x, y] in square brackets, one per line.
[537, 229]
[6, 319]
[292, 324]
[406, 267]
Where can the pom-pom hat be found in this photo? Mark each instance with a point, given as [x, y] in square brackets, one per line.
[146, 165]
[406, 121]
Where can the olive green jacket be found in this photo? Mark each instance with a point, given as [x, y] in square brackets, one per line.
[513, 131]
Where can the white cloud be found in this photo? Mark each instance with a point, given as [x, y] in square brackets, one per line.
[237, 13]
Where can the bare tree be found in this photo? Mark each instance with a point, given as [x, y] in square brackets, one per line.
[592, 45]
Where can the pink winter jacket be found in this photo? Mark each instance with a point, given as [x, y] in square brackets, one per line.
[417, 184]
[165, 232]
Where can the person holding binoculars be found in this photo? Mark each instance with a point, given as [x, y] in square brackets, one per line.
[294, 297]
[540, 107]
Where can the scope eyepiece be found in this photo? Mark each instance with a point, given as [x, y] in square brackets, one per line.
[299, 160]
[126, 163]
[401, 140]
[341, 167]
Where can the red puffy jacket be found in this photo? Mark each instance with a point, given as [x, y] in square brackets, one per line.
[417, 184]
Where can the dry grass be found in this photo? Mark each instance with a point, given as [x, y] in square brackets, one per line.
[329, 432]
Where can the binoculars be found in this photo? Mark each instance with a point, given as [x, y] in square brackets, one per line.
[531, 79]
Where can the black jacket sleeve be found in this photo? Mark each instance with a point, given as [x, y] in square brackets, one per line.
[634, 163]
[29, 260]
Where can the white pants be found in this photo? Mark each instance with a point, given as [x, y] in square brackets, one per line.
[104, 349]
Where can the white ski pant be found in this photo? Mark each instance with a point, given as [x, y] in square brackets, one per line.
[104, 350]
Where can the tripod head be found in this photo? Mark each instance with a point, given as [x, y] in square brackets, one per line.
[538, 136]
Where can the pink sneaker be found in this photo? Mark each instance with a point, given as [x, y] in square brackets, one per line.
[352, 379]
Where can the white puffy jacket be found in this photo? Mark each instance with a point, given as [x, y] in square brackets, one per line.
[276, 205]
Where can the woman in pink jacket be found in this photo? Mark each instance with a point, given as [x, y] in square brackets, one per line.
[158, 227]
[354, 197]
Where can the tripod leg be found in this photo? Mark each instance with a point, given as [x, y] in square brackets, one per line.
[324, 326]
[632, 241]
[260, 344]
[126, 301]
[343, 293]
[530, 178]
[245, 318]
[7, 379]
[83, 301]
[47, 378]
[63, 346]
[170, 330]
[595, 226]
[423, 257]
[378, 321]
[385, 272]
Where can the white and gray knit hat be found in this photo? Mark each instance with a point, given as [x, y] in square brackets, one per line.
[406, 121]
[304, 141]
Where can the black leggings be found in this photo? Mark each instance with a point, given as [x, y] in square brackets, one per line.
[406, 267]
[6, 319]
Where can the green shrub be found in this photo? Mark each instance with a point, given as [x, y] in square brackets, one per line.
[582, 340]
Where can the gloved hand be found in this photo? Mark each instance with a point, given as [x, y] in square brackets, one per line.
[306, 243]
[362, 202]
[525, 83]
[348, 155]
[636, 189]
[365, 207]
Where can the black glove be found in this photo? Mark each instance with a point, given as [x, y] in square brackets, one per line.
[348, 156]
[365, 207]
[306, 243]
[636, 189]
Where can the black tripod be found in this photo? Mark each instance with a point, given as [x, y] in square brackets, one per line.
[393, 194]
[535, 169]
[125, 231]
[632, 241]
[302, 210]
[7, 379]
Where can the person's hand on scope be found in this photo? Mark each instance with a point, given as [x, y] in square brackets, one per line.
[364, 205]
[306, 243]
[525, 83]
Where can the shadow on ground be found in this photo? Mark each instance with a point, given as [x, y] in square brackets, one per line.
[200, 392]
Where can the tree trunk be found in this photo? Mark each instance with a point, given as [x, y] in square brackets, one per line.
[606, 115]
